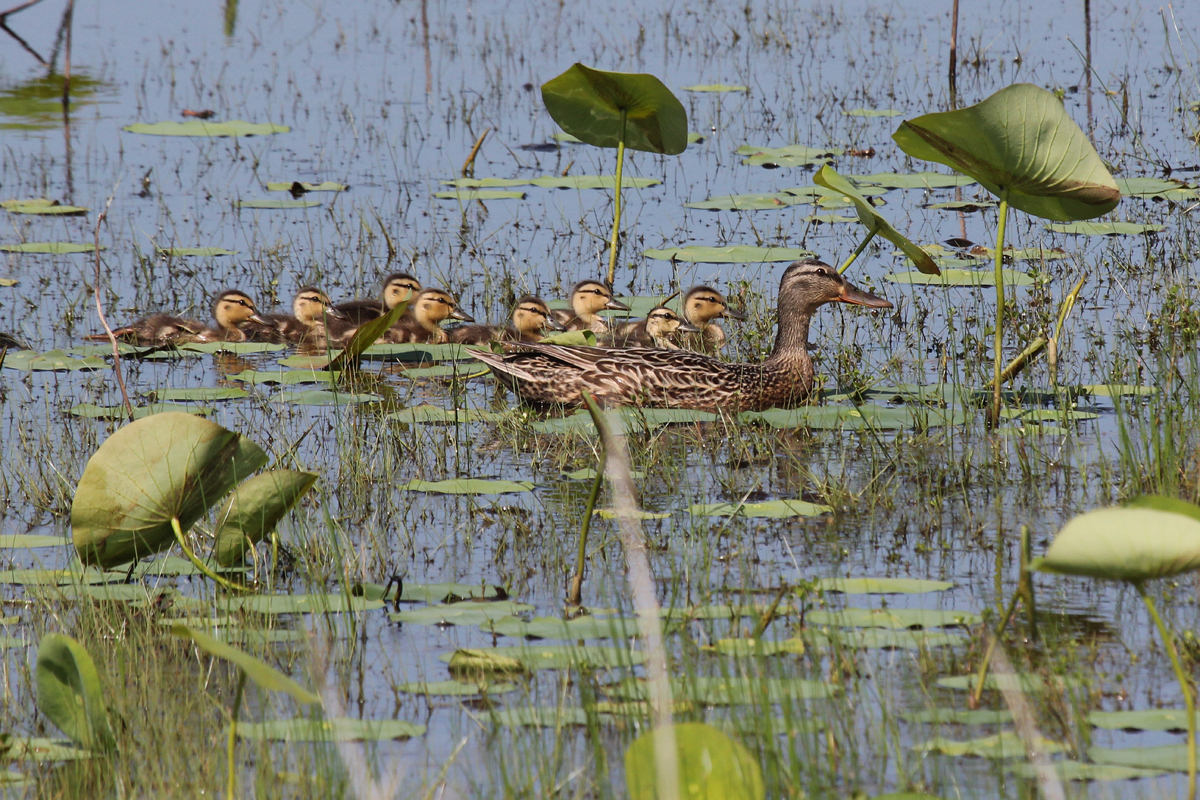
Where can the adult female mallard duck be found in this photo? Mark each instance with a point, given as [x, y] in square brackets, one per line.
[399, 287]
[305, 325]
[587, 299]
[531, 318]
[702, 305]
[659, 329]
[549, 373]
[233, 311]
[422, 322]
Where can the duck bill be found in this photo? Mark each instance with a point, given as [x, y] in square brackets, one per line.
[333, 312]
[553, 324]
[687, 327]
[461, 315]
[734, 313]
[256, 317]
[614, 304]
[852, 294]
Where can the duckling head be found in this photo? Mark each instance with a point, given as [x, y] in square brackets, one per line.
[810, 283]
[433, 306]
[399, 287]
[703, 304]
[531, 315]
[234, 308]
[312, 305]
[589, 297]
[663, 323]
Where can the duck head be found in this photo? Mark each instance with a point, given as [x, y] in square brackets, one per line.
[663, 323]
[531, 315]
[810, 283]
[703, 304]
[312, 305]
[433, 306]
[590, 297]
[233, 309]
[399, 287]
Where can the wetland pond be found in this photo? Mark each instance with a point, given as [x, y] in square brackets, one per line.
[830, 578]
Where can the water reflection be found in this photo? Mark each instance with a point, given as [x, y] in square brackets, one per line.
[36, 104]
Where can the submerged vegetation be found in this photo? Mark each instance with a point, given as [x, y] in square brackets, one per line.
[352, 564]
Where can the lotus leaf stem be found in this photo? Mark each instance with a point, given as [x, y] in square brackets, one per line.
[1189, 699]
[994, 416]
[616, 231]
[200, 565]
[576, 595]
[231, 745]
[857, 251]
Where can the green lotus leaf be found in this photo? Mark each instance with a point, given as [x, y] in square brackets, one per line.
[232, 347]
[572, 338]
[771, 509]
[770, 201]
[322, 397]
[868, 416]
[254, 509]
[199, 127]
[912, 180]
[958, 716]
[1106, 228]
[792, 155]
[882, 585]
[539, 717]
[532, 656]
[893, 618]
[196, 251]
[466, 486]
[471, 195]
[588, 104]
[258, 671]
[30, 540]
[51, 248]
[1117, 390]
[1169, 757]
[732, 690]
[163, 467]
[881, 639]
[1020, 144]
[51, 361]
[271, 604]
[966, 206]
[578, 629]
[710, 765]
[462, 613]
[737, 254]
[456, 688]
[275, 204]
[43, 206]
[1002, 745]
[1148, 187]
[199, 393]
[336, 729]
[1126, 544]
[324, 186]
[962, 277]
[556, 182]
[69, 692]
[444, 416]
[871, 219]
[1021, 682]
[430, 592]
[292, 377]
[1151, 719]
[1080, 771]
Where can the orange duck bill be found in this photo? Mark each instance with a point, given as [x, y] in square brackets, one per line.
[852, 294]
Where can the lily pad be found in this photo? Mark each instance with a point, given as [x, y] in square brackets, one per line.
[200, 393]
[894, 618]
[1105, 228]
[864, 417]
[51, 248]
[715, 87]
[463, 613]
[959, 716]
[51, 361]
[240, 348]
[1126, 544]
[209, 252]
[628, 418]
[430, 592]
[882, 639]
[41, 205]
[556, 182]
[769, 201]
[750, 648]
[270, 604]
[292, 377]
[1022, 682]
[531, 657]
[467, 486]
[443, 416]
[913, 180]
[967, 206]
[119, 412]
[728, 691]
[539, 717]
[7, 282]
[456, 688]
[771, 509]
[19, 541]
[41, 750]
[275, 204]
[882, 585]
[962, 277]
[337, 729]
[585, 627]
[198, 127]
[470, 195]
[710, 764]
[1154, 719]
[324, 186]
[322, 397]
[1170, 757]
[793, 155]
[737, 254]
[1148, 187]
[1117, 390]
[1079, 771]
[1003, 745]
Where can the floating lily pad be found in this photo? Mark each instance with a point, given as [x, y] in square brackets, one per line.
[322, 397]
[51, 248]
[894, 618]
[711, 764]
[715, 87]
[585, 627]
[539, 717]
[531, 657]
[41, 205]
[1105, 228]
[1002, 745]
[771, 509]
[872, 112]
[913, 180]
[1022, 682]
[292, 377]
[793, 155]
[338, 729]
[746, 202]
[232, 347]
[628, 418]
[1079, 771]
[19, 541]
[1170, 757]
[466, 486]
[1127, 544]
[456, 688]
[447, 592]
[452, 370]
[470, 195]
[882, 585]
[42, 750]
[968, 206]
[444, 416]
[133, 594]
[1048, 414]
[464, 613]
[7, 282]
[723, 611]
[1117, 390]
[324, 186]
[727, 691]
[1148, 187]
[609, 513]
[56, 577]
[297, 604]
[51, 361]
[959, 716]
[737, 254]
[749, 648]
[962, 277]
[883, 639]
[1154, 719]
[200, 393]
[554, 182]
[198, 127]
[864, 417]
[209, 252]
[416, 352]
[572, 338]
[275, 204]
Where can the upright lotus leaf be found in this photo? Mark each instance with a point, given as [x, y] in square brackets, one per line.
[1018, 143]
[1126, 544]
[873, 221]
[712, 766]
[162, 467]
[1161, 503]
[254, 509]
[258, 671]
[366, 335]
[588, 104]
[69, 693]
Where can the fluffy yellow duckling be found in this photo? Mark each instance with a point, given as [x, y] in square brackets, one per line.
[234, 313]
[531, 318]
[422, 323]
[398, 288]
[587, 299]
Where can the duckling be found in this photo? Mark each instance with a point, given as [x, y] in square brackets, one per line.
[399, 287]
[233, 311]
[702, 305]
[422, 323]
[530, 319]
[10, 342]
[658, 329]
[306, 323]
[587, 298]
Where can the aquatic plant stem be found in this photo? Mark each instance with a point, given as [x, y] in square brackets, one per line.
[231, 746]
[981, 675]
[200, 565]
[100, 310]
[616, 231]
[1189, 699]
[575, 597]
[857, 251]
[994, 415]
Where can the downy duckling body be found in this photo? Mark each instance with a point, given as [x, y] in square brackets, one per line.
[305, 325]
[422, 323]
[399, 287]
[660, 328]
[531, 318]
[702, 305]
[587, 299]
[233, 311]
[547, 373]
